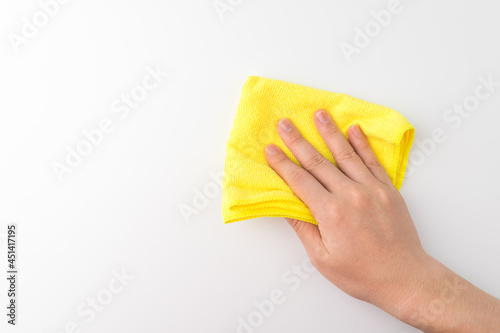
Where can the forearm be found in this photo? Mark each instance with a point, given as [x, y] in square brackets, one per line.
[445, 302]
[365, 241]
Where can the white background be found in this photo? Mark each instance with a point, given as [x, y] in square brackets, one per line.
[119, 209]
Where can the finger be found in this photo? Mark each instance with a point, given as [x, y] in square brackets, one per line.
[302, 183]
[310, 159]
[360, 143]
[345, 156]
[309, 236]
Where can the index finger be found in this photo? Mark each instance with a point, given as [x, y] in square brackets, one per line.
[302, 183]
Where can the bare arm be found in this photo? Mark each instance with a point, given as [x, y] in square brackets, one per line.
[365, 241]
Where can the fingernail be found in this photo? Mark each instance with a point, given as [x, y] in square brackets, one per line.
[285, 124]
[322, 116]
[271, 149]
[356, 130]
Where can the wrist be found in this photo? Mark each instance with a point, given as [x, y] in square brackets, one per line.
[409, 294]
[442, 301]
[424, 295]
[437, 301]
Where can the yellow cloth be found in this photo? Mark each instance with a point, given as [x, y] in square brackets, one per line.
[252, 189]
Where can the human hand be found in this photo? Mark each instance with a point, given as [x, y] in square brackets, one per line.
[365, 241]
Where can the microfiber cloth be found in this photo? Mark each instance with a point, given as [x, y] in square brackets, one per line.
[252, 189]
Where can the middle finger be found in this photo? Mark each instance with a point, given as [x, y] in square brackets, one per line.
[310, 159]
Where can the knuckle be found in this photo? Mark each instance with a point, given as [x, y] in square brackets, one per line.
[315, 161]
[332, 131]
[296, 140]
[384, 195]
[332, 210]
[319, 257]
[359, 197]
[297, 225]
[346, 155]
[296, 175]
[365, 146]
[280, 160]
[374, 163]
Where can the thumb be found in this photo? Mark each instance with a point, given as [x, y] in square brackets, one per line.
[308, 234]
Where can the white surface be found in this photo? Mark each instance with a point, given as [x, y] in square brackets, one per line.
[120, 207]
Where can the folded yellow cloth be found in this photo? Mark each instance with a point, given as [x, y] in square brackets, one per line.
[252, 189]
